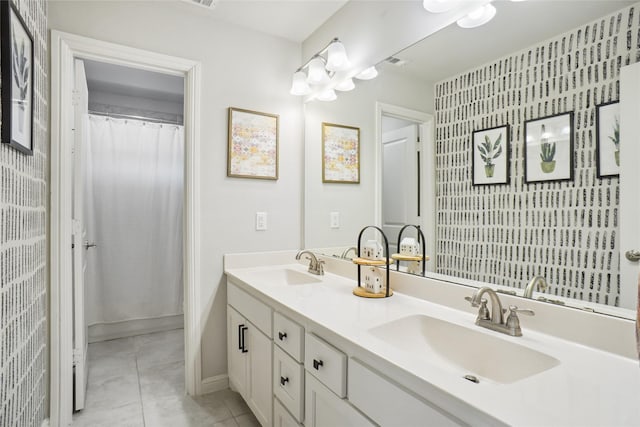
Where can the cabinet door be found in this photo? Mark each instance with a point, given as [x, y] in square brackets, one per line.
[260, 362]
[324, 409]
[236, 353]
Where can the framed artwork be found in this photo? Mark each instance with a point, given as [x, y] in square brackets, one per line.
[608, 139]
[253, 144]
[548, 153]
[491, 156]
[16, 50]
[340, 154]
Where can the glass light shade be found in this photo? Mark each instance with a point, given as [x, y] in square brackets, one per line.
[327, 95]
[439, 6]
[337, 57]
[478, 17]
[345, 85]
[368, 74]
[317, 74]
[300, 85]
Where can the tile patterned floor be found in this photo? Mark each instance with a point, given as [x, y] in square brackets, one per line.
[139, 382]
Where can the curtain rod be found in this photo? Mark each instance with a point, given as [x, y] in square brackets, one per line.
[129, 116]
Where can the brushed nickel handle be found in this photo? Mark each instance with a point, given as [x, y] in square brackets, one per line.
[88, 245]
[633, 255]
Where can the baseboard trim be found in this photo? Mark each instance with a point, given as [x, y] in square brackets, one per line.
[129, 328]
[213, 384]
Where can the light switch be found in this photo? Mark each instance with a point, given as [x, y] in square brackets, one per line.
[261, 221]
[335, 220]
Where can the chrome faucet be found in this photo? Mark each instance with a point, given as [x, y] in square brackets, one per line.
[537, 280]
[315, 265]
[495, 321]
[346, 252]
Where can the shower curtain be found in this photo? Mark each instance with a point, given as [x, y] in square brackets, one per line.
[133, 212]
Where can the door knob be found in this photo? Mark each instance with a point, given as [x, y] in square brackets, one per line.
[633, 255]
[88, 245]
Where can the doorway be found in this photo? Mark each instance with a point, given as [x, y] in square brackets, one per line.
[405, 192]
[66, 49]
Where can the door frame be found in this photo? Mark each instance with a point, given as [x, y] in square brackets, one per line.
[65, 47]
[427, 158]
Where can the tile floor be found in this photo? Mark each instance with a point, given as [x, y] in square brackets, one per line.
[139, 381]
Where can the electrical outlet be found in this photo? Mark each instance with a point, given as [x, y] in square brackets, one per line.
[261, 221]
[335, 220]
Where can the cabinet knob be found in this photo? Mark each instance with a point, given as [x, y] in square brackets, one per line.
[284, 380]
[317, 364]
[282, 335]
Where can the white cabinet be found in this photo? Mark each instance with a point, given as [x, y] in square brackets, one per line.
[250, 364]
[326, 363]
[324, 409]
[288, 382]
[281, 417]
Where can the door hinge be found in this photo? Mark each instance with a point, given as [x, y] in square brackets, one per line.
[76, 357]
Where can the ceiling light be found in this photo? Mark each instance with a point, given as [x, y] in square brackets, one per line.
[327, 95]
[317, 73]
[300, 85]
[368, 74]
[345, 85]
[439, 6]
[337, 57]
[478, 17]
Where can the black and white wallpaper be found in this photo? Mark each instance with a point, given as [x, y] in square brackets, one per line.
[565, 231]
[23, 251]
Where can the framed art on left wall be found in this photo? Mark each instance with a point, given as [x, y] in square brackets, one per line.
[16, 50]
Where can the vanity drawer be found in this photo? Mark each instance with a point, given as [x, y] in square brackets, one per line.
[387, 403]
[288, 335]
[326, 363]
[282, 417]
[251, 308]
[288, 382]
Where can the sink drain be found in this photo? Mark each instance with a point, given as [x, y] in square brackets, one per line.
[472, 378]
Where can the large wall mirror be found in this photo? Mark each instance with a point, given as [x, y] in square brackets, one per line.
[535, 59]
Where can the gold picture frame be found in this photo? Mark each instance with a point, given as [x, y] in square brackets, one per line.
[253, 139]
[340, 154]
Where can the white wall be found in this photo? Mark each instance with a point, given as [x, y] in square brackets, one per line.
[354, 202]
[242, 69]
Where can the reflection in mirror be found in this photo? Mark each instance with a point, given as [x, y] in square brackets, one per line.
[511, 70]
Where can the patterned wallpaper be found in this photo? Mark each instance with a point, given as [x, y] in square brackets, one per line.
[23, 252]
[564, 231]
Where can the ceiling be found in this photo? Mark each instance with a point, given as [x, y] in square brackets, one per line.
[516, 26]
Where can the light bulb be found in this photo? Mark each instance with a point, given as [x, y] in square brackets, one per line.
[368, 74]
[337, 57]
[478, 17]
[300, 85]
[345, 85]
[317, 73]
[439, 6]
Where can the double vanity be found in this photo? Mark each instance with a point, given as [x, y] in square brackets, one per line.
[302, 349]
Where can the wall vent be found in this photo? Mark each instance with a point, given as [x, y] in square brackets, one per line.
[209, 4]
[396, 61]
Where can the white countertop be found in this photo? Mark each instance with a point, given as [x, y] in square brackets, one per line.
[588, 387]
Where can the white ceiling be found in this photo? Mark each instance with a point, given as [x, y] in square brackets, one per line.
[516, 26]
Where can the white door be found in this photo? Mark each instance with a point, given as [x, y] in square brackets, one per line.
[236, 351]
[260, 368]
[629, 183]
[400, 182]
[81, 107]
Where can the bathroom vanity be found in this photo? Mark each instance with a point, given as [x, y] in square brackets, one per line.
[302, 349]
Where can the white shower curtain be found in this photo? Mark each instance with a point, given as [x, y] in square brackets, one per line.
[133, 212]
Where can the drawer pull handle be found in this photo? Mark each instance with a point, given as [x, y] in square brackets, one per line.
[282, 335]
[240, 344]
[317, 364]
[283, 381]
[242, 331]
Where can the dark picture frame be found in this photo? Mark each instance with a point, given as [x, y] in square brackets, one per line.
[548, 151]
[16, 50]
[608, 139]
[491, 152]
[253, 144]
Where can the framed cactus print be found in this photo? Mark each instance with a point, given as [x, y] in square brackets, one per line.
[491, 156]
[252, 144]
[608, 139]
[16, 50]
[548, 148]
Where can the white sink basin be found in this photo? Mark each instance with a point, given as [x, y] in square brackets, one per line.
[466, 351]
[284, 276]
